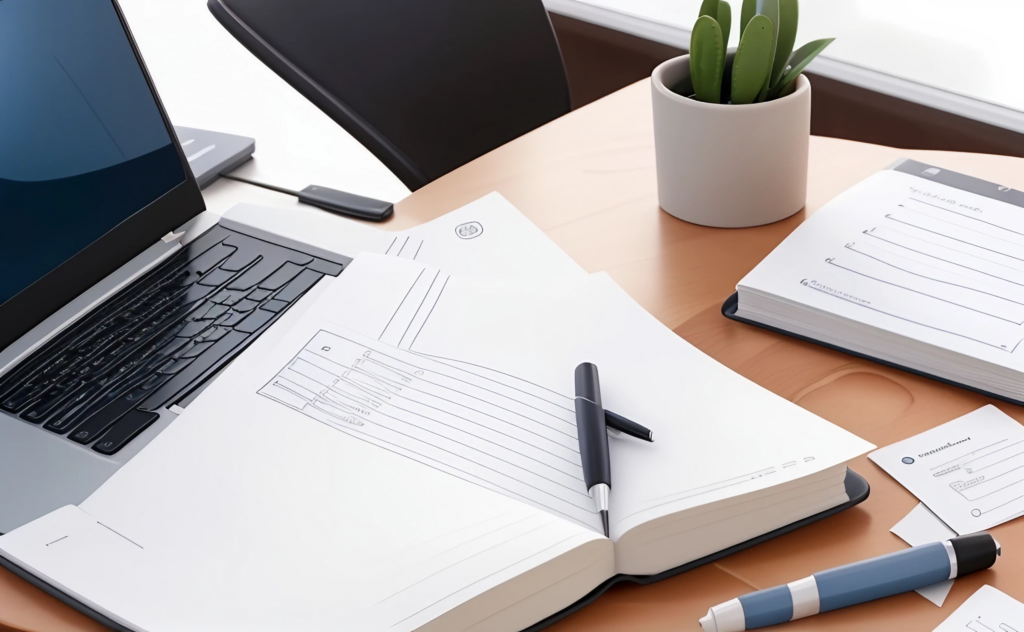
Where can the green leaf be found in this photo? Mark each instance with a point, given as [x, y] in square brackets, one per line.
[747, 11]
[769, 8]
[788, 90]
[707, 59]
[753, 61]
[798, 62]
[789, 15]
[724, 19]
[722, 12]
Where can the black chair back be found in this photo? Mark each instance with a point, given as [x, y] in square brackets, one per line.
[426, 85]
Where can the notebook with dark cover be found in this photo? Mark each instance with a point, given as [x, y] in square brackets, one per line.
[856, 488]
[338, 481]
[917, 267]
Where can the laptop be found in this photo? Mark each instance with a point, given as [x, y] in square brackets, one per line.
[115, 307]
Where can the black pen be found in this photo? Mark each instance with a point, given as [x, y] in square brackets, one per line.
[592, 423]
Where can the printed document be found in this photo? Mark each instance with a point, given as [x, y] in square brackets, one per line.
[969, 471]
[988, 610]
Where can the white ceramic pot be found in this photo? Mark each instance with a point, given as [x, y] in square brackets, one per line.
[729, 166]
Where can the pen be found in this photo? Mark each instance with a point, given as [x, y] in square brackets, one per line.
[592, 422]
[856, 583]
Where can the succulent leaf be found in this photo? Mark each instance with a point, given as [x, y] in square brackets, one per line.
[798, 62]
[747, 11]
[769, 8]
[752, 64]
[707, 59]
[789, 15]
[724, 19]
[709, 7]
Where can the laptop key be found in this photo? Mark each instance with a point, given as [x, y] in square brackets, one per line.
[196, 293]
[153, 382]
[250, 243]
[216, 334]
[258, 295]
[326, 267]
[193, 329]
[96, 424]
[254, 321]
[298, 286]
[63, 417]
[175, 367]
[172, 347]
[202, 365]
[256, 274]
[274, 306]
[284, 274]
[126, 429]
[241, 260]
[230, 320]
[245, 306]
[216, 278]
[216, 312]
[196, 349]
[210, 259]
[48, 402]
[228, 297]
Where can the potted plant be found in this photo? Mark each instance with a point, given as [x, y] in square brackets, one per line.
[732, 128]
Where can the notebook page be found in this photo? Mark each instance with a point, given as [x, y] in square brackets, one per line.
[914, 257]
[508, 435]
[517, 342]
[717, 435]
[260, 517]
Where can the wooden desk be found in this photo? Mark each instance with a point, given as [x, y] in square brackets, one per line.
[588, 180]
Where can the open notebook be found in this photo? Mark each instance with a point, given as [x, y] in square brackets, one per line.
[917, 267]
[415, 466]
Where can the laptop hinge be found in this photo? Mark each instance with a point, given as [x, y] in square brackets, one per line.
[172, 236]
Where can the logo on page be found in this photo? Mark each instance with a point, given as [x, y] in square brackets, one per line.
[469, 230]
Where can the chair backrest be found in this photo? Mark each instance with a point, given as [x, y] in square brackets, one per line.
[426, 85]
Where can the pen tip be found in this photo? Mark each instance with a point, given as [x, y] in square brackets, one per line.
[604, 523]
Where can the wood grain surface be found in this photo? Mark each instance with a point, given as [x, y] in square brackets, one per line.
[588, 181]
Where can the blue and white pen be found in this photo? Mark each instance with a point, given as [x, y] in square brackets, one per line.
[856, 583]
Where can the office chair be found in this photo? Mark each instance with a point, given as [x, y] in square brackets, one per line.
[426, 85]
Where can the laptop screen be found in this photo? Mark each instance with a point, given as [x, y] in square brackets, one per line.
[83, 146]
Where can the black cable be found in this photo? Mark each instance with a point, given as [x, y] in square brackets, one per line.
[260, 184]
[331, 200]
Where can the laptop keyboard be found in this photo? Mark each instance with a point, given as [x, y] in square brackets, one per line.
[102, 380]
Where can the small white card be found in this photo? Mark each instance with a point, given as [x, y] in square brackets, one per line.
[988, 610]
[969, 472]
[920, 526]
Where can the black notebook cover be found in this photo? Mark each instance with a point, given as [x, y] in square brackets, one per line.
[856, 488]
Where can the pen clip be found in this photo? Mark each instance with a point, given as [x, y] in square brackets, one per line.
[615, 421]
